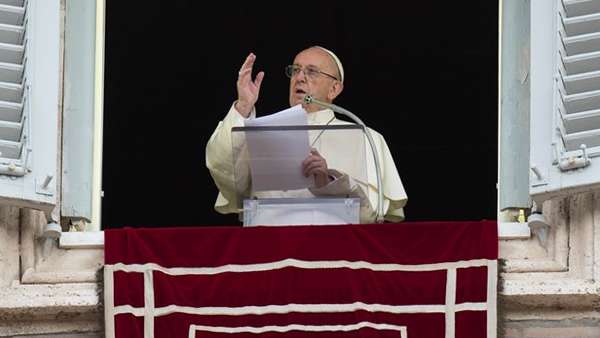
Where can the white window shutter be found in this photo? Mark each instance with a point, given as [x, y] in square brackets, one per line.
[565, 96]
[78, 115]
[29, 102]
[13, 99]
[513, 173]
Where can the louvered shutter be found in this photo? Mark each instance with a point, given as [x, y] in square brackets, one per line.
[565, 96]
[29, 102]
[13, 102]
[579, 90]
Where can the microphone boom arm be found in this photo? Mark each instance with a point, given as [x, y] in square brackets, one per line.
[308, 99]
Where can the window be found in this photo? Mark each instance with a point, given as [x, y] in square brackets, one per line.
[550, 101]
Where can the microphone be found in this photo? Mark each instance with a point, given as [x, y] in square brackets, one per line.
[308, 99]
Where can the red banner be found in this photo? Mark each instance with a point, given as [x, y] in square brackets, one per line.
[426, 279]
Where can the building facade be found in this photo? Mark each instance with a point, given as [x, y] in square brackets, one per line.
[51, 246]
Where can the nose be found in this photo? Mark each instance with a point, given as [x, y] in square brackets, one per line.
[300, 76]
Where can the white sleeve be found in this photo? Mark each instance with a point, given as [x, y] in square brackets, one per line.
[229, 177]
[394, 195]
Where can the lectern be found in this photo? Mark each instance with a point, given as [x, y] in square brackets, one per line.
[270, 187]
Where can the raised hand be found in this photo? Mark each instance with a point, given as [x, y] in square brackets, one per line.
[248, 89]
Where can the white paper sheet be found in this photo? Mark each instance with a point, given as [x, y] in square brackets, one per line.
[276, 156]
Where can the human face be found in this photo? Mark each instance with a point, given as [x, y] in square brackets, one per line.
[321, 86]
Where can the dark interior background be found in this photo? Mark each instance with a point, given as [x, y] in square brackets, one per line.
[423, 74]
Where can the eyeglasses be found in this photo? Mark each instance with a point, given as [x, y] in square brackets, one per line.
[310, 72]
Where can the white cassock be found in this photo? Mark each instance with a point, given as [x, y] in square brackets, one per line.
[219, 160]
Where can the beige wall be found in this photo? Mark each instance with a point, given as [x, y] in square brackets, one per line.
[43, 288]
[551, 288]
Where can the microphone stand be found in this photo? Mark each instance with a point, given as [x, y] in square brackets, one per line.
[308, 99]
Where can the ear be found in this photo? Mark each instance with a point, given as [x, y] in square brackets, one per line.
[335, 90]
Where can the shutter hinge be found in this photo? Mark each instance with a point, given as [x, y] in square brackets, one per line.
[538, 179]
[566, 163]
[43, 187]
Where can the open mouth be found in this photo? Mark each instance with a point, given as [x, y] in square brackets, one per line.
[300, 92]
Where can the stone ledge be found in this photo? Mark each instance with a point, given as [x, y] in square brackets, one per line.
[50, 301]
[34, 277]
[583, 328]
[533, 265]
[82, 240]
[565, 293]
[82, 328]
[546, 314]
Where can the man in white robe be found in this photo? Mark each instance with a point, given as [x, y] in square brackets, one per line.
[319, 72]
